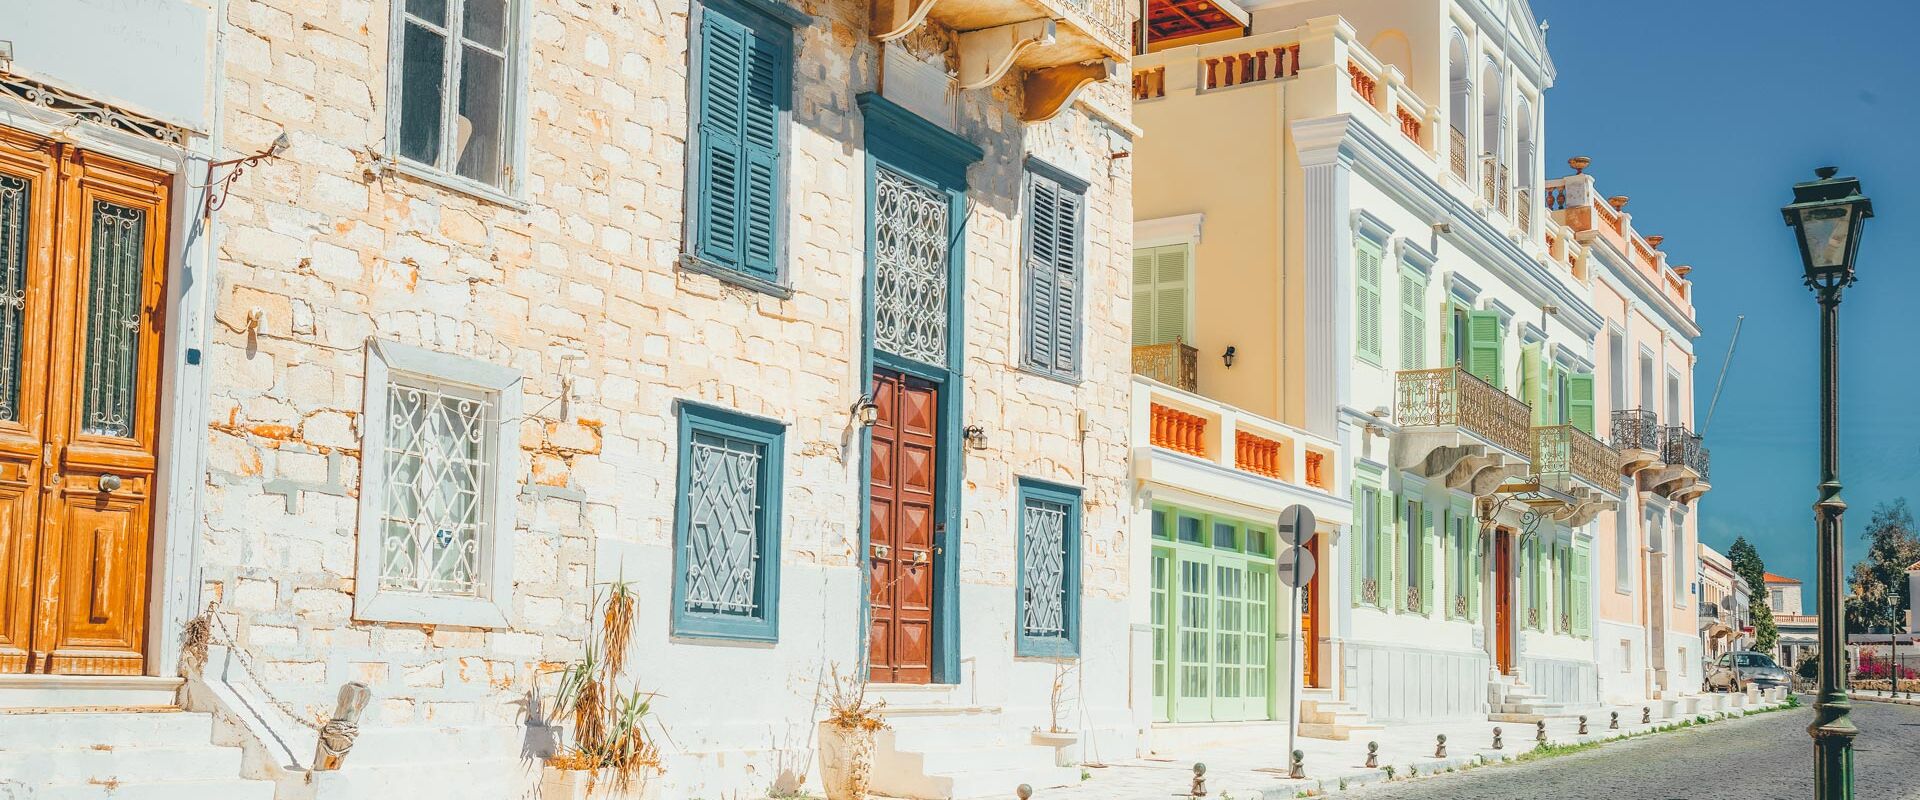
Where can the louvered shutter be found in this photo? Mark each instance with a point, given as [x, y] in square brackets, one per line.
[1449, 352]
[1066, 284]
[1530, 380]
[1366, 260]
[1526, 583]
[1171, 267]
[1483, 346]
[1582, 601]
[1043, 236]
[1413, 321]
[768, 60]
[724, 46]
[1401, 529]
[1356, 552]
[1426, 561]
[1384, 550]
[1476, 562]
[1580, 404]
[1144, 298]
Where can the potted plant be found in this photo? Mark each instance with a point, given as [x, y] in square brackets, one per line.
[847, 738]
[1060, 738]
[612, 753]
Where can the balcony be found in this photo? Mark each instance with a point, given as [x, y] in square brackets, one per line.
[1194, 444]
[1175, 364]
[1636, 437]
[1684, 476]
[1579, 467]
[1457, 427]
[1062, 45]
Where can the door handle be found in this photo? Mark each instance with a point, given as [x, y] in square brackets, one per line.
[881, 551]
[109, 483]
[50, 466]
[919, 556]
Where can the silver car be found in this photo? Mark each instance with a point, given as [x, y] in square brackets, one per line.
[1734, 672]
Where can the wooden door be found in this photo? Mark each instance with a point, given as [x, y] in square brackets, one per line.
[82, 243]
[1309, 624]
[901, 528]
[1502, 603]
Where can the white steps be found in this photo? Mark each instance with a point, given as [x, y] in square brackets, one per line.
[100, 692]
[428, 763]
[1328, 719]
[142, 754]
[935, 751]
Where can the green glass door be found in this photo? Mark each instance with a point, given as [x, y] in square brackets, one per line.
[1213, 618]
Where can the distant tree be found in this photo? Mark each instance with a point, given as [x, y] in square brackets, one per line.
[1879, 580]
[1747, 564]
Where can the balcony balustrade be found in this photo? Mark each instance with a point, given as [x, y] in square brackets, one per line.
[1175, 364]
[1636, 429]
[1457, 157]
[1684, 474]
[1459, 428]
[1684, 448]
[1567, 450]
[1223, 438]
[1178, 430]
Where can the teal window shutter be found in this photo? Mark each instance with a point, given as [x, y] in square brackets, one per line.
[1413, 321]
[726, 532]
[745, 77]
[1053, 276]
[1366, 306]
[1580, 404]
[1484, 336]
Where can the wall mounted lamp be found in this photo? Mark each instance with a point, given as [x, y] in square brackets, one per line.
[1227, 357]
[865, 411]
[976, 437]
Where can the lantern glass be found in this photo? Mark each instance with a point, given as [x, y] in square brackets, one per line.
[1825, 230]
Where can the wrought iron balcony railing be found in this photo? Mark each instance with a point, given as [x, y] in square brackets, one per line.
[1565, 449]
[1175, 364]
[1636, 429]
[1682, 448]
[1458, 154]
[1454, 396]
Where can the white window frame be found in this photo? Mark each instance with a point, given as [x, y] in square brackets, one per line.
[514, 122]
[489, 608]
[1625, 536]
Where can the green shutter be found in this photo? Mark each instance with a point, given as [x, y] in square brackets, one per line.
[1170, 269]
[744, 77]
[1447, 353]
[1383, 550]
[1580, 404]
[1484, 338]
[1531, 377]
[1355, 552]
[1525, 606]
[1582, 600]
[1413, 321]
[1475, 563]
[1143, 296]
[1366, 306]
[1426, 560]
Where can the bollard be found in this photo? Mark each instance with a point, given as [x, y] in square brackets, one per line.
[1497, 745]
[1646, 715]
[1540, 731]
[1299, 769]
[1199, 780]
[1024, 792]
[1614, 724]
[1440, 746]
[1583, 724]
[1373, 755]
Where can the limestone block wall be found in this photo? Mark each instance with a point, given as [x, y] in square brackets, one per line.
[572, 282]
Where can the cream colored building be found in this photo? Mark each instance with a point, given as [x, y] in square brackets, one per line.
[805, 319]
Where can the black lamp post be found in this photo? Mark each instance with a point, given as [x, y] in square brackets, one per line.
[1825, 216]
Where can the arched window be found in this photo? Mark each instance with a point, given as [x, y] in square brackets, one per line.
[1459, 101]
[1523, 168]
[1493, 134]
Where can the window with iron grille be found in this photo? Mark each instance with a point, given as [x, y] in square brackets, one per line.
[1049, 574]
[437, 488]
[726, 576]
[456, 71]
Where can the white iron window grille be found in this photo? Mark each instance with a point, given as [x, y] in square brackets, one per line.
[723, 537]
[1044, 570]
[14, 197]
[114, 291]
[40, 95]
[437, 478]
[910, 268]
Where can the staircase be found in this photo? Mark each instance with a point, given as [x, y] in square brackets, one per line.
[422, 763]
[937, 750]
[65, 738]
[1326, 718]
[1510, 699]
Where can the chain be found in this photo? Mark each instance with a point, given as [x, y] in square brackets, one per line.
[226, 637]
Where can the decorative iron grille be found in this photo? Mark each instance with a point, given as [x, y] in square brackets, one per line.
[1566, 622]
[1533, 618]
[1523, 209]
[15, 194]
[1459, 605]
[437, 472]
[1636, 429]
[1565, 449]
[111, 361]
[910, 268]
[1454, 396]
[723, 534]
[1458, 156]
[1174, 363]
[1370, 591]
[1043, 570]
[1682, 448]
[1414, 599]
[38, 94]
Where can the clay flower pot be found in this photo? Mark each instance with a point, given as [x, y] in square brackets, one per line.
[846, 760]
[1063, 744]
[580, 784]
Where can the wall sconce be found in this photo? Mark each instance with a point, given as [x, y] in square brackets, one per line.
[865, 411]
[976, 437]
[217, 189]
[1228, 356]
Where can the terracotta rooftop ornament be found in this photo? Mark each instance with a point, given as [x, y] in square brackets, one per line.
[1655, 240]
[1579, 164]
[1618, 201]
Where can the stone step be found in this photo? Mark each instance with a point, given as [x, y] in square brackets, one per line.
[55, 730]
[1002, 783]
[380, 746]
[87, 692]
[444, 780]
[960, 761]
[122, 765]
[233, 789]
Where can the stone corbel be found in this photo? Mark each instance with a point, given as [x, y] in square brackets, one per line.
[987, 55]
[893, 19]
[1051, 90]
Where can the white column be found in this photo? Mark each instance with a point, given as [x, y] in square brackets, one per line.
[1329, 270]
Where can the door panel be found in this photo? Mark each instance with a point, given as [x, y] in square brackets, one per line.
[1309, 623]
[902, 528]
[1503, 603]
[29, 189]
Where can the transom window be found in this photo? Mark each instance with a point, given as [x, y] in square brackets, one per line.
[727, 525]
[910, 267]
[455, 71]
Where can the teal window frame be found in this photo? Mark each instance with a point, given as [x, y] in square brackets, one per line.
[1065, 284]
[770, 435]
[1067, 644]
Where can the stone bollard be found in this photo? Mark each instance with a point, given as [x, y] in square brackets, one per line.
[1540, 731]
[1373, 755]
[1199, 780]
[1440, 746]
[1583, 724]
[1614, 724]
[1646, 715]
[1497, 745]
[1024, 792]
[1299, 768]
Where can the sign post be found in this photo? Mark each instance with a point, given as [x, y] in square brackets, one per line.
[1295, 568]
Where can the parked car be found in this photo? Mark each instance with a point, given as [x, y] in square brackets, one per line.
[1734, 672]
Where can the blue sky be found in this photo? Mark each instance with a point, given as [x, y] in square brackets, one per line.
[1705, 113]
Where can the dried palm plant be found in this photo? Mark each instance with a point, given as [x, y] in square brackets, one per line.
[612, 731]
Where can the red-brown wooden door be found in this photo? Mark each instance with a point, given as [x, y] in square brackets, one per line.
[901, 529]
[82, 265]
[1502, 603]
[1310, 624]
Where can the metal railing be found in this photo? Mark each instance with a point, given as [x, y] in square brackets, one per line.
[1636, 429]
[1175, 364]
[1682, 448]
[1565, 449]
[1459, 153]
[1454, 396]
[1523, 209]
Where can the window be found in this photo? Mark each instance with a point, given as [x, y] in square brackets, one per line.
[438, 483]
[1681, 564]
[1626, 655]
[1049, 577]
[742, 75]
[454, 91]
[910, 277]
[1623, 539]
[1366, 303]
[1419, 574]
[1367, 567]
[726, 531]
[1646, 381]
[1683, 659]
[1413, 320]
[1160, 294]
[1460, 338]
[1673, 399]
[1617, 370]
[1459, 567]
[1054, 209]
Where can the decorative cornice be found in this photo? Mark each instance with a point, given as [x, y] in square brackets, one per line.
[1165, 230]
[1505, 312]
[1374, 228]
[1418, 258]
[1645, 296]
[1462, 288]
[1531, 333]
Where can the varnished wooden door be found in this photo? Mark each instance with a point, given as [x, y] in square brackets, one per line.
[82, 266]
[901, 529]
[1310, 625]
[1502, 603]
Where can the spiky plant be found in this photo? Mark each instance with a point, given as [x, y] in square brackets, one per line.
[611, 729]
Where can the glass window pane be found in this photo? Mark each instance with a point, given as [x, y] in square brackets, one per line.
[15, 197]
[1223, 536]
[434, 11]
[422, 93]
[110, 368]
[479, 144]
[1189, 529]
[485, 22]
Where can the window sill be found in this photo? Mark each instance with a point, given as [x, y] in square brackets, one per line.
[691, 263]
[454, 183]
[399, 607]
[1070, 380]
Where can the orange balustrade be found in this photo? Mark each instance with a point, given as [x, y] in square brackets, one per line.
[1363, 82]
[1317, 471]
[1409, 124]
[1149, 84]
[1177, 430]
[1257, 454]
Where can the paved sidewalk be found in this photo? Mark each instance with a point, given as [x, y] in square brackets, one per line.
[1259, 773]
[1878, 696]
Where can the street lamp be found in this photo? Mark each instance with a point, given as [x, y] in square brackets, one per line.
[1825, 216]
